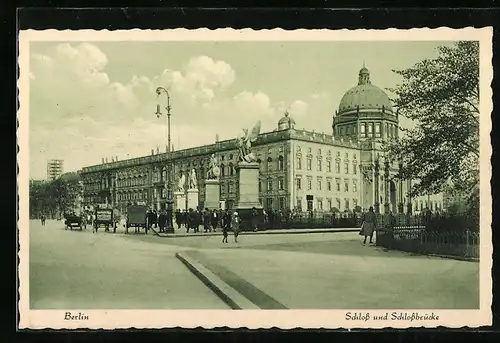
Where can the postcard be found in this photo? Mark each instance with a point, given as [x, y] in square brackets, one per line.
[255, 178]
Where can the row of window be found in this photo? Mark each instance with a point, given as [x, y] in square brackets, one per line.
[370, 130]
[319, 184]
[328, 164]
[321, 204]
[328, 153]
[328, 204]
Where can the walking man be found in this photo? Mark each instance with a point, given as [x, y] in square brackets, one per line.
[368, 226]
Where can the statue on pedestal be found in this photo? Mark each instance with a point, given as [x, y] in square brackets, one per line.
[213, 168]
[245, 143]
[193, 183]
[181, 183]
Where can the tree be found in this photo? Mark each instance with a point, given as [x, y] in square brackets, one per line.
[55, 197]
[441, 96]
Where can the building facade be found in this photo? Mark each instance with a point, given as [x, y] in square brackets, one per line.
[299, 169]
[55, 168]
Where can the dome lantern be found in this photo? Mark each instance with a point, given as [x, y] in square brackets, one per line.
[364, 76]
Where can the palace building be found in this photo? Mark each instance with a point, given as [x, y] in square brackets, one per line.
[298, 168]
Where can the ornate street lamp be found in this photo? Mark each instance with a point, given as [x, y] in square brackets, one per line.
[169, 201]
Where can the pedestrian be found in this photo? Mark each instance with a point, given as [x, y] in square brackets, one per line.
[162, 220]
[368, 226]
[178, 218]
[226, 226]
[189, 220]
[255, 219]
[213, 219]
[235, 226]
[206, 221]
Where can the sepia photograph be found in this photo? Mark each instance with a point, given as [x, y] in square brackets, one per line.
[340, 179]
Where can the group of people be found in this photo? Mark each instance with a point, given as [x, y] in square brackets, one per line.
[227, 220]
[156, 219]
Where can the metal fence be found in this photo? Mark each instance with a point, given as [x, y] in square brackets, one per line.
[315, 220]
[439, 235]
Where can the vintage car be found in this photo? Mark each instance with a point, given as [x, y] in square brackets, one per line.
[72, 220]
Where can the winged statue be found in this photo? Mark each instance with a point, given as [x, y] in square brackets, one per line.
[245, 143]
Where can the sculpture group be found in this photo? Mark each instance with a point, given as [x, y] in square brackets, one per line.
[248, 171]
[244, 143]
[213, 168]
[193, 182]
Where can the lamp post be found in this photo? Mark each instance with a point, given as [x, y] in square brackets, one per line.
[376, 185]
[169, 201]
[387, 186]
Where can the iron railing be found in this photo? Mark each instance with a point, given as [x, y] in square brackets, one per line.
[456, 235]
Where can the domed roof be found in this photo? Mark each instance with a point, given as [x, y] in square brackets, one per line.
[365, 96]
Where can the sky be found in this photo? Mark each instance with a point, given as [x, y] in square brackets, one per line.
[91, 100]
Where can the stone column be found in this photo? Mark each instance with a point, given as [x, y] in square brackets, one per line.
[387, 188]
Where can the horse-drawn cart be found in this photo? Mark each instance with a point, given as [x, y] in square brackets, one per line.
[71, 221]
[104, 217]
[136, 217]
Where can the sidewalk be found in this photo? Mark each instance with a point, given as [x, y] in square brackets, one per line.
[365, 278]
[182, 232]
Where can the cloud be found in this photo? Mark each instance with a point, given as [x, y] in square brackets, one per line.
[79, 114]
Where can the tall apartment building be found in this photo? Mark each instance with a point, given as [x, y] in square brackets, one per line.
[55, 168]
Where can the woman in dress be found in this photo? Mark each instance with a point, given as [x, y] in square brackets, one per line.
[235, 225]
[368, 226]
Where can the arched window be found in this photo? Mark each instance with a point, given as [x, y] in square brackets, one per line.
[231, 169]
[363, 130]
[269, 164]
[222, 170]
[280, 163]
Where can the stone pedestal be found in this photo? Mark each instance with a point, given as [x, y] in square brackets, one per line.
[192, 198]
[180, 201]
[212, 194]
[247, 175]
[248, 194]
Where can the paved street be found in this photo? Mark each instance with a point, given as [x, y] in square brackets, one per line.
[316, 270]
[78, 269]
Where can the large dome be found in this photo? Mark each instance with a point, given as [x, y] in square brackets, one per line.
[365, 96]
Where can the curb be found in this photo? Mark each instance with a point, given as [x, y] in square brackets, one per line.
[284, 232]
[226, 293]
[459, 258]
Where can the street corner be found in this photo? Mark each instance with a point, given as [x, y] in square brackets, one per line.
[215, 267]
[225, 292]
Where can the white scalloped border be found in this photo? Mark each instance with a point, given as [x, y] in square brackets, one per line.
[253, 319]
